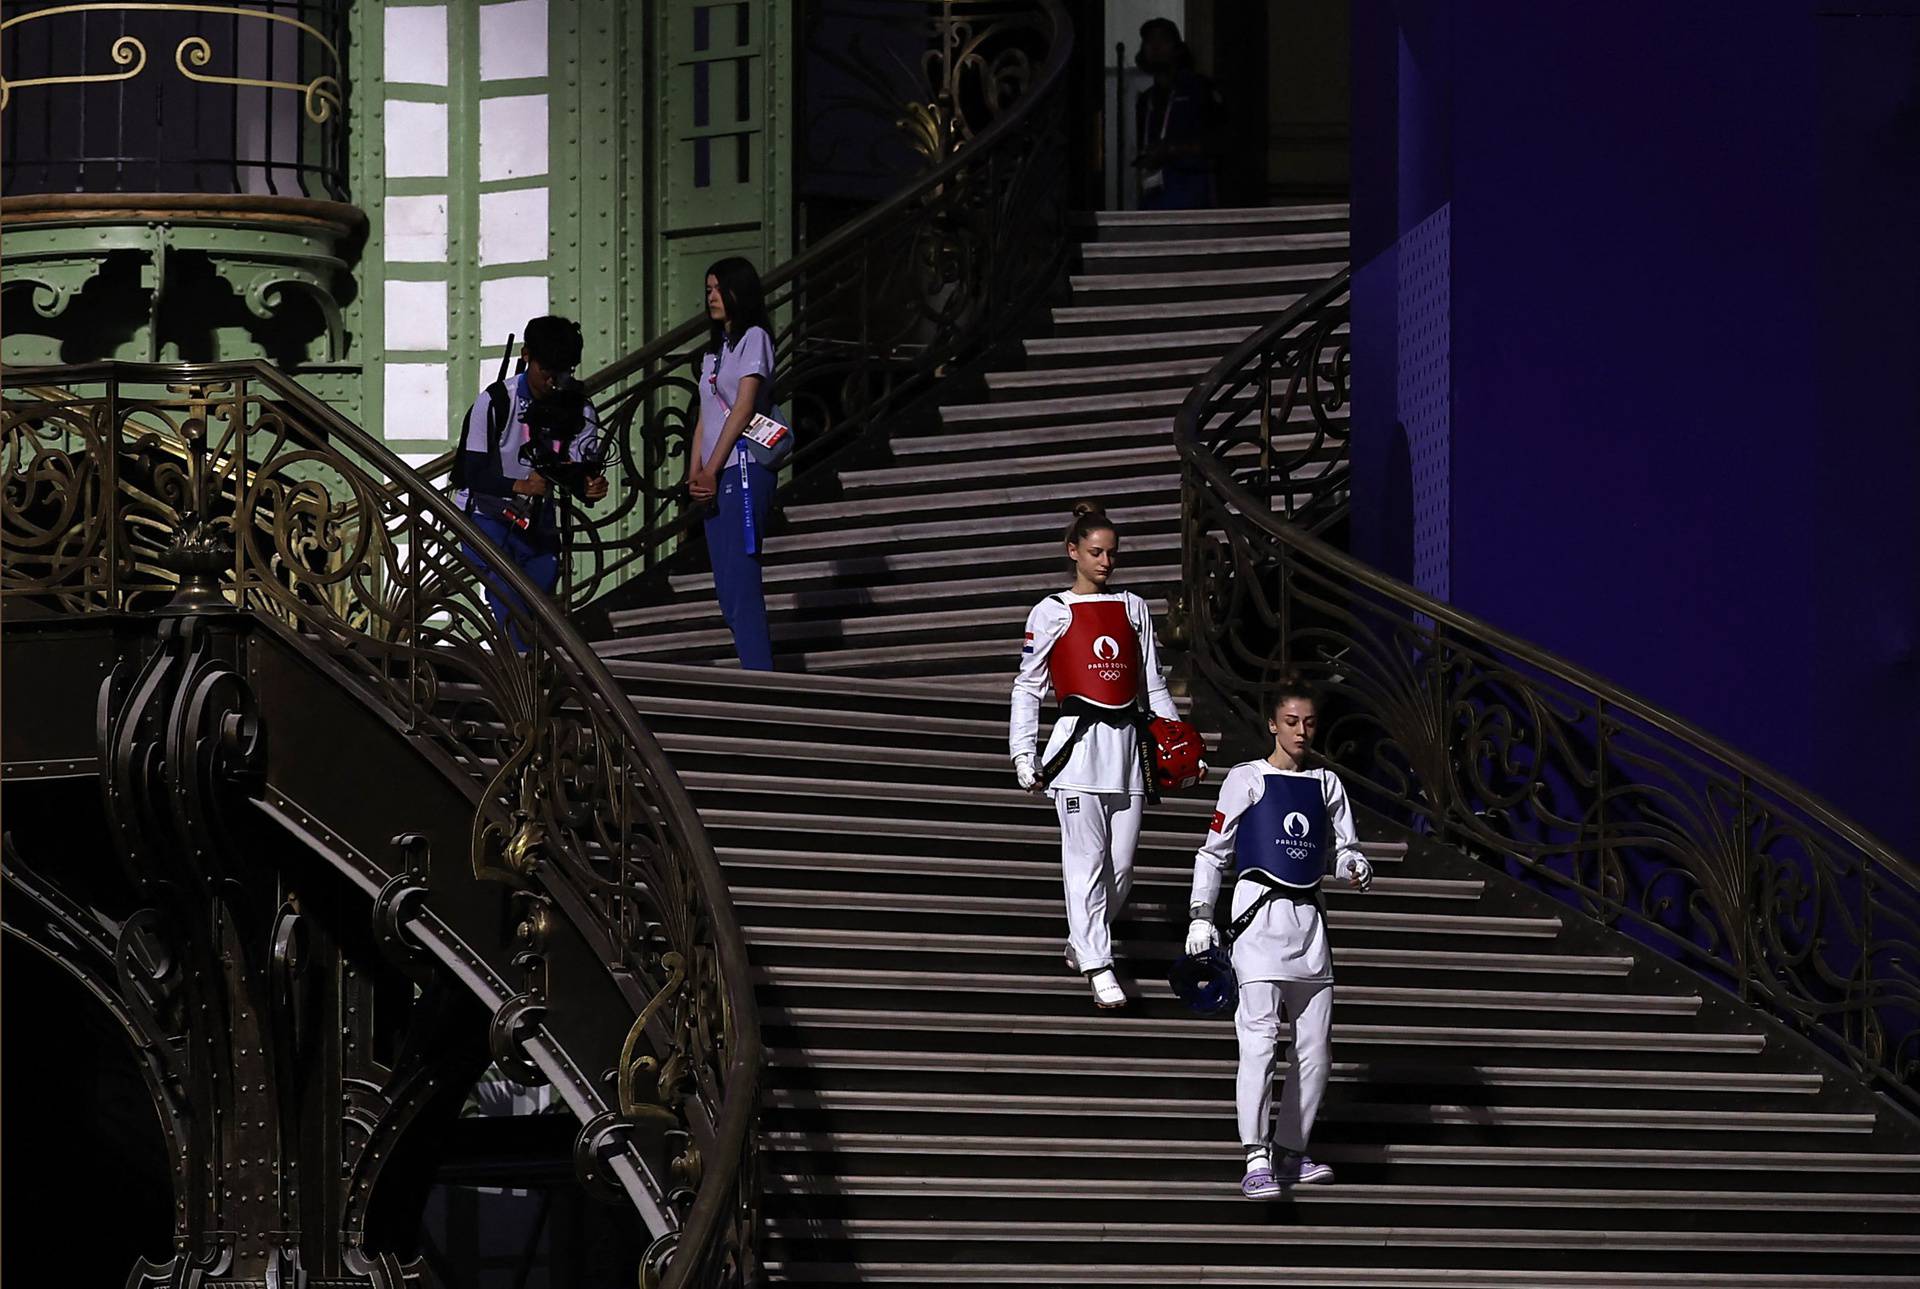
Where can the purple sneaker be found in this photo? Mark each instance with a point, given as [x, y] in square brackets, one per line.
[1300, 1170]
[1259, 1183]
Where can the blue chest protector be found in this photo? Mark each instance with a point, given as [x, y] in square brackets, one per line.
[1284, 833]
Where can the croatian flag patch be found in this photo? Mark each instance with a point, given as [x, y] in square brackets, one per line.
[1028, 646]
[1219, 821]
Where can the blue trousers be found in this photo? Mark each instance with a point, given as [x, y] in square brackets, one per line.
[736, 561]
[540, 563]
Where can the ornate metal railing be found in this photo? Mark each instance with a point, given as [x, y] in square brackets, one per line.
[1277, 416]
[889, 89]
[127, 487]
[174, 98]
[1484, 741]
[865, 320]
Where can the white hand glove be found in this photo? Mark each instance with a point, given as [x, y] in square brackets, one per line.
[1201, 936]
[1023, 771]
[1360, 873]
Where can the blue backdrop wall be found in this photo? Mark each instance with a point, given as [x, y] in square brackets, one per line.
[1674, 432]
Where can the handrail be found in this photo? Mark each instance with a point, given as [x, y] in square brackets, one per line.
[1293, 369]
[866, 319]
[1487, 741]
[132, 484]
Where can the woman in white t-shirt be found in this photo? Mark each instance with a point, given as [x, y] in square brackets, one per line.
[736, 383]
[1096, 649]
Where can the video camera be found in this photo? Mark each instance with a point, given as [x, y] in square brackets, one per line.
[553, 423]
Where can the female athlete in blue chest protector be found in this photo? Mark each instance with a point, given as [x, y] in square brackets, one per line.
[1277, 828]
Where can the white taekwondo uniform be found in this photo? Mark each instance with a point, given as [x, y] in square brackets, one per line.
[1281, 961]
[1078, 642]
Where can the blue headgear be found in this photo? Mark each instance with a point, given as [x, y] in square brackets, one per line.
[1204, 981]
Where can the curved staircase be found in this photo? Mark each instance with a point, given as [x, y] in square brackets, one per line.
[1519, 1096]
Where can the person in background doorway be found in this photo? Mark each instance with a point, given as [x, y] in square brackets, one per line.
[1177, 121]
[736, 383]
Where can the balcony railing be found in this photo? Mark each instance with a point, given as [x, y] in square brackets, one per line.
[174, 98]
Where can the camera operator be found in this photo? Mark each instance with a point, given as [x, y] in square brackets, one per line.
[528, 440]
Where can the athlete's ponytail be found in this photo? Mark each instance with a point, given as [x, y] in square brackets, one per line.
[1089, 517]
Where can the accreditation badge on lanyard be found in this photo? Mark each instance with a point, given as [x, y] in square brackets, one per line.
[752, 535]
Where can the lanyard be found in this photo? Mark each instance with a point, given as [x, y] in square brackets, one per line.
[746, 503]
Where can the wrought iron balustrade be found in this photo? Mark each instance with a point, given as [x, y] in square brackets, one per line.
[129, 486]
[1276, 416]
[1483, 741]
[174, 98]
[865, 320]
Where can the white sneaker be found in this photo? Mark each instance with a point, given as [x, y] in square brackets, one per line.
[1106, 989]
[1073, 959]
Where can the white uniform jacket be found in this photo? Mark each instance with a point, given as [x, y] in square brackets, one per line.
[1107, 758]
[1288, 938]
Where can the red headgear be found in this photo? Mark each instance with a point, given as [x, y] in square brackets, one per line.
[1177, 753]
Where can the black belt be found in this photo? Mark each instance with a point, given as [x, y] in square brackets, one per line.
[1272, 888]
[1088, 714]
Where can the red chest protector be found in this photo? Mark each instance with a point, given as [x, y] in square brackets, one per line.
[1098, 659]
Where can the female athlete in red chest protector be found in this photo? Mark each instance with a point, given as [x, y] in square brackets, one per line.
[1096, 648]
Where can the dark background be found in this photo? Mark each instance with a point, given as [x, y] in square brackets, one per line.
[1683, 392]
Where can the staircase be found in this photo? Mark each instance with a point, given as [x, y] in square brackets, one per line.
[1519, 1098]
[927, 563]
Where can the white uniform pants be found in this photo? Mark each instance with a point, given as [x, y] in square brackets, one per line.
[1257, 1022]
[1098, 832]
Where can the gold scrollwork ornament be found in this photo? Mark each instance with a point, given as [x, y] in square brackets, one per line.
[125, 50]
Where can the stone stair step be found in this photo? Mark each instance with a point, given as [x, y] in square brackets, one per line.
[989, 1064]
[925, 565]
[1088, 466]
[1344, 956]
[1186, 315]
[1335, 1110]
[1005, 620]
[1196, 286]
[942, 533]
[1160, 373]
[1004, 800]
[1006, 870]
[1374, 1073]
[957, 982]
[1111, 226]
[1195, 252]
[1034, 1274]
[756, 898]
[1191, 1029]
[1119, 494]
[1139, 346]
[1296, 1235]
[1848, 1165]
[1022, 587]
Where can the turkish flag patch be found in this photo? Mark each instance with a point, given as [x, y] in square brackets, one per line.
[1219, 821]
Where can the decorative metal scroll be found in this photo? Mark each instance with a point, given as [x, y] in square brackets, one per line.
[1488, 743]
[881, 87]
[236, 137]
[127, 487]
[1277, 419]
[865, 321]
